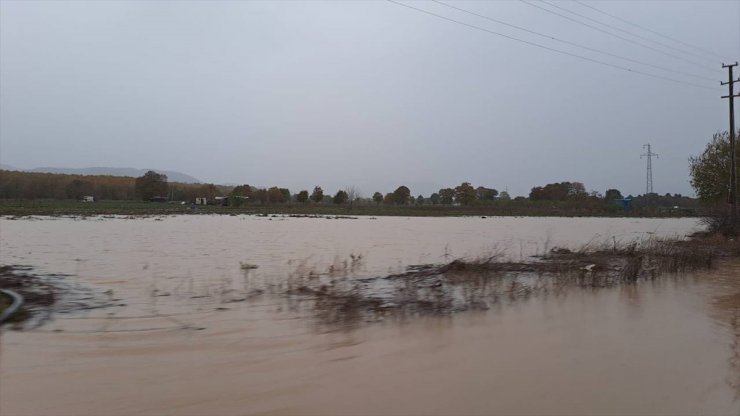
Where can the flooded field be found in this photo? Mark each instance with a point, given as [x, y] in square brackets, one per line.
[191, 324]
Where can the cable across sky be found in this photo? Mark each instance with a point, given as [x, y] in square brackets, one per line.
[584, 47]
[537, 45]
[598, 29]
[706, 51]
[694, 54]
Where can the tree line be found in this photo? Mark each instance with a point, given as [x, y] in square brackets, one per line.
[34, 185]
[155, 186]
[709, 176]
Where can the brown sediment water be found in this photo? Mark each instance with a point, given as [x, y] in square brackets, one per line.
[189, 335]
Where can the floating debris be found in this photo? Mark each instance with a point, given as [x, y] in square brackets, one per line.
[247, 266]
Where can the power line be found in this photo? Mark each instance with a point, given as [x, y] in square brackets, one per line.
[585, 58]
[621, 30]
[615, 35]
[706, 51]
[663, 68]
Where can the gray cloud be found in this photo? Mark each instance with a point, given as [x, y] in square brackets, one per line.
[365, 93]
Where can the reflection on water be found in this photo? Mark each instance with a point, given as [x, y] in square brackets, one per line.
[195, 337]
[726, 310]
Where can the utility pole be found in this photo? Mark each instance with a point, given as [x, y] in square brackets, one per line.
[733, 153]
[649, 180]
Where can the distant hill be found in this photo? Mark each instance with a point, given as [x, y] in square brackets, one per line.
[171, 175]
[8, 167]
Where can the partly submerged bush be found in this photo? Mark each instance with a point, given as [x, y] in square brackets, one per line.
[718, 219]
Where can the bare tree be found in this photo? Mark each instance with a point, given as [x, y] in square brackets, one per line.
[352, 194]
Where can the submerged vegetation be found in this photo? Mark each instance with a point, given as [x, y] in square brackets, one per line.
[38, 295]
[480, 283]
[46, 294]
[343, 294]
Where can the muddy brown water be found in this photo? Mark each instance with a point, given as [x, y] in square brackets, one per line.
[189, 337]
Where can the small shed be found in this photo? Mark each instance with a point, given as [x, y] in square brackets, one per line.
[201, 201]
[88, 198]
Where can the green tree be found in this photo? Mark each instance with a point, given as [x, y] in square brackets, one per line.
[504, 196]
[378, 198]
[561, 191]
[485, 194]
[317, 195]
[275, 195]
[710, 171]
[209, 191]
[242, 190]
[434, 198]
[151, 184]
[446, 196]
[240, 195]
[577, 190]
[260, 195]
[465, 194]
[286, 194]
[79, 188]
[341, 197]
[302, 196]
[420, 200]
[401, 195]
[612, 195]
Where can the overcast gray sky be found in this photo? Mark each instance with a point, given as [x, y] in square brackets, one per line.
[371, 94]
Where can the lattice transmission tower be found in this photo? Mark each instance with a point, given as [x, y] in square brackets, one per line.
[649, 179]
